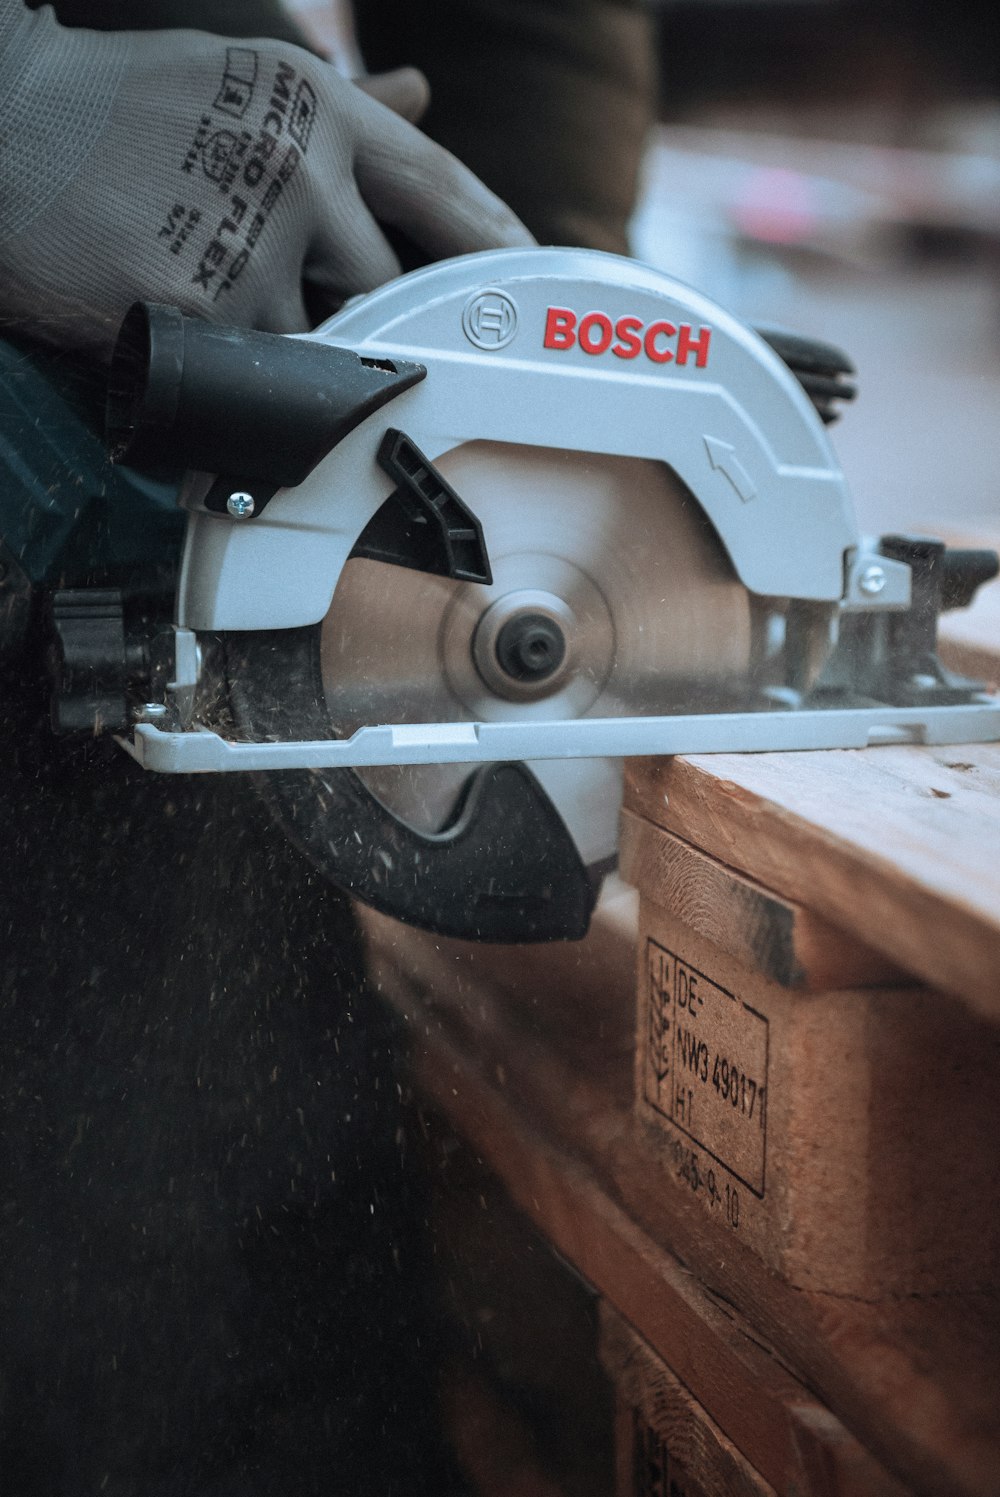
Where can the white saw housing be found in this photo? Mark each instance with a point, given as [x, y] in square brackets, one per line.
[566, 349]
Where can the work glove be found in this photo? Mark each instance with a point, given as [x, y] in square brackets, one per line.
[210, 174]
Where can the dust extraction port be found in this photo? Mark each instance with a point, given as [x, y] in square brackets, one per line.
[264, 406]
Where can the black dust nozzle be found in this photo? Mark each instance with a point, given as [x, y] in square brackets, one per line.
[263, 406]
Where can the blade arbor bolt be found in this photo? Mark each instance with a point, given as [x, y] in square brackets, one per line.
[530, 647]
[524, 646]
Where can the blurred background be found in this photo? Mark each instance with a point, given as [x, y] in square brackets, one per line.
[834, 166]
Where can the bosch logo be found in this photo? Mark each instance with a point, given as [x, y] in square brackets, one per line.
[489, 319]
[661, 342]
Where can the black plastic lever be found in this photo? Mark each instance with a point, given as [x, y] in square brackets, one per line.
[424, 523]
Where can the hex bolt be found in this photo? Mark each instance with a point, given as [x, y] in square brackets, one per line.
[240, 506]
[872, 580]
[530, 647]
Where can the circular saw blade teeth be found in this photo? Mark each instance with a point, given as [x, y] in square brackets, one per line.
[651, 612]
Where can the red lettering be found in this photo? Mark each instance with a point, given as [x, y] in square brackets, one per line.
[605, 332]
[626, 329]
[686, 345]
[559, 328]
[654, 331]
[595, 334]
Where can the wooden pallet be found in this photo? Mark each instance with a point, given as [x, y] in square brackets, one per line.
[827, 1111]
[539, 1078]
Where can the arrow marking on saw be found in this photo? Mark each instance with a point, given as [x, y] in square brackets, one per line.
[723, 458]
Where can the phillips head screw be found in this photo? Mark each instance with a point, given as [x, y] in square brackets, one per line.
[872, 580]
[240, 506]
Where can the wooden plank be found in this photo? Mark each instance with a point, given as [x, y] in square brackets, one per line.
[899, 846]
[666, 1441]
[847, 1137]
[776, 937]
[545, 1096]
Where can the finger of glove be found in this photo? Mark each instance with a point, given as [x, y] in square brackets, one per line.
[285, 314]
[415, 185]
[348, 252]
[405, 91]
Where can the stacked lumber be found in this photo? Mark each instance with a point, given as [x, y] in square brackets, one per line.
[757, 1109]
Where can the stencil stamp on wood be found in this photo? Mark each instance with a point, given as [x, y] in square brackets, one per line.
[847, 1137]
[706, 1068]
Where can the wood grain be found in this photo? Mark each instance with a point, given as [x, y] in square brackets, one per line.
[776, 937]
[666, 1441]
[847, 1137]
[899, 846]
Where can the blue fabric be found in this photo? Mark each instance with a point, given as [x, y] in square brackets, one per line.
[67, 514]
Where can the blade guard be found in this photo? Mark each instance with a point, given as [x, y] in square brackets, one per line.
[504, 870]
[566, 349]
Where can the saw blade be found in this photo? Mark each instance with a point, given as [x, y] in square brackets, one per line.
[604, 568]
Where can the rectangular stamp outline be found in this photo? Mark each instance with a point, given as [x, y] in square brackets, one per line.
[667, 1116]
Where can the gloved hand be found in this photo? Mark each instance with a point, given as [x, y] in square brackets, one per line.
[209, 174]
[404, 90]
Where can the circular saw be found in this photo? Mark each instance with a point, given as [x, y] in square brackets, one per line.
[489, 530]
